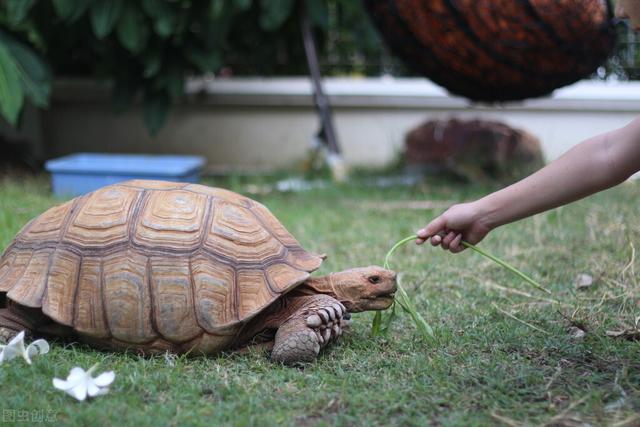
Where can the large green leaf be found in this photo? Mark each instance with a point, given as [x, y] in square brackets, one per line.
[175, 81]
[207, 62]
[242, 4]
[70, 10]
[132, 29]
[164, 19]
[104, 15]
[318, 12]
[33, 72]
[274, 13]
[153, 62]
[216, 8]
[11, 95]
[17, 10]
[155, 108]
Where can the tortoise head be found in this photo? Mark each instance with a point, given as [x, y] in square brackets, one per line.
[365, 288]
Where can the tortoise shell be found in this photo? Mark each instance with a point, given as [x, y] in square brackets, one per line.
[154, 265]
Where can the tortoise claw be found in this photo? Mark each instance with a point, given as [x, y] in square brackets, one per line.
[331, 311]
[325, 316]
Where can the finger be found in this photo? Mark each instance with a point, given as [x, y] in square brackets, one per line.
[446, 242]
[435, 240]
[455, 244]
[458, 249]
[432, 228]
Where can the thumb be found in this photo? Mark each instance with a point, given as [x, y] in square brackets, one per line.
[432, 228]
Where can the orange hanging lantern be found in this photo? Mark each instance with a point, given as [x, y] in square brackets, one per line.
[498, 50]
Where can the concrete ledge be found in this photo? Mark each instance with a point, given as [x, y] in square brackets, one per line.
[259, 123]
[370, 92]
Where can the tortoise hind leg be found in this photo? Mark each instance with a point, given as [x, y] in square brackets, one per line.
[318, 321]
[15, 318]
[11, 324]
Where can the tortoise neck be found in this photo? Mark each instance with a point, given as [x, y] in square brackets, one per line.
[318, 285]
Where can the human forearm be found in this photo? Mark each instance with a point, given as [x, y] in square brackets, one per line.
[591, 166]
[596, 164]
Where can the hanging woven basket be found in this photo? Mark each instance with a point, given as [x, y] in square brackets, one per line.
[498, 50]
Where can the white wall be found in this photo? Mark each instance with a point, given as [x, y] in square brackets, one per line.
[267, 123]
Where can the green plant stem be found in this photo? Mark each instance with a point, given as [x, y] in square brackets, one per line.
[393, 249]
[507, 266]
[506, 313]
[481, 252]
[405, 302]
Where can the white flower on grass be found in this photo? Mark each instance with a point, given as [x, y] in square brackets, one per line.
[16, 348]
[80, 384]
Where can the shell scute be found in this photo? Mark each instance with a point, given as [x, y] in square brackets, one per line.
[271, 223]
[254, 292]
[221, 193]
[29, 287]
[281, 275]
[127, 297]
[172, 219]
[145, 184]
[90, 317]
[47, 226]
[303, 260]
[238, 236]
[103, 218]
[214, 286]
[11, 268]
[61, 287]
[173, 304]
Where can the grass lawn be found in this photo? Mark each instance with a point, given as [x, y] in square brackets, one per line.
[485, 368]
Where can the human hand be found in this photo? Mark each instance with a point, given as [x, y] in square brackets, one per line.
[462, 221]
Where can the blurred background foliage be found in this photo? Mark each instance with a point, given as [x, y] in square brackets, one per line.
[146, 49]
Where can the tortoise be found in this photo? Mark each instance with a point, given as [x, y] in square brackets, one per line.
[155, 267]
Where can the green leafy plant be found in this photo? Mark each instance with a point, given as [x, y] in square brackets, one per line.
[380, 326]
[23, 74]
[148, 48]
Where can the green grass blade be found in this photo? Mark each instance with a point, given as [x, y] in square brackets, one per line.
[376, 324]
[507, 266]
[405, 302]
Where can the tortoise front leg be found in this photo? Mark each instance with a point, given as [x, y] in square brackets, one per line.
[319, 320]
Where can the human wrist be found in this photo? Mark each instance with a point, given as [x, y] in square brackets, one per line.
[486, 213]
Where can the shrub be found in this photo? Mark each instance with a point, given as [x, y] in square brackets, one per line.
[147, 48]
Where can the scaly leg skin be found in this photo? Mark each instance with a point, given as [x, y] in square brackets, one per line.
[12, 321]
[300, 338]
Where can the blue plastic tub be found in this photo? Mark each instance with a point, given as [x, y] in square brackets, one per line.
[81, 173]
